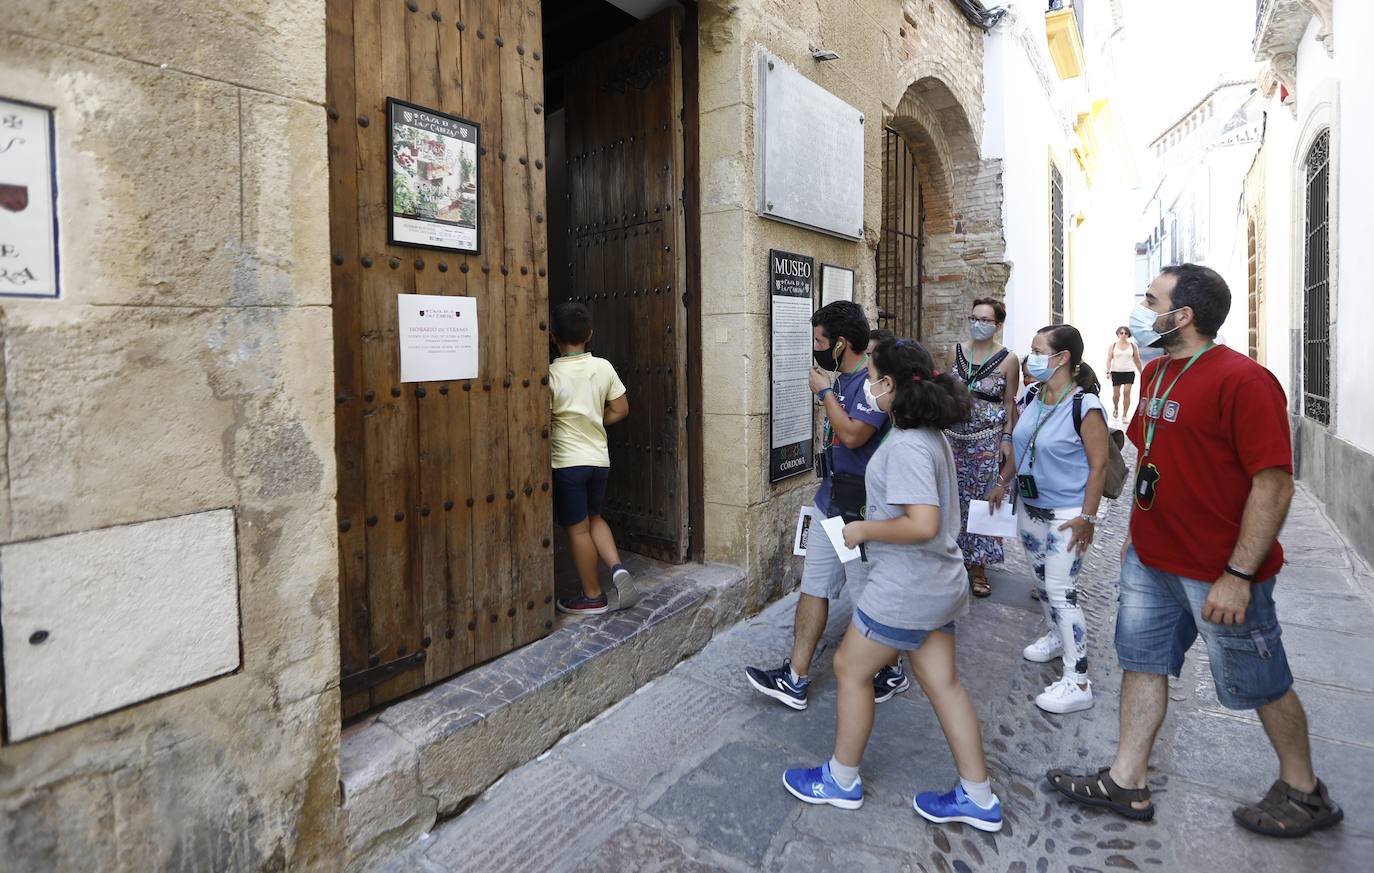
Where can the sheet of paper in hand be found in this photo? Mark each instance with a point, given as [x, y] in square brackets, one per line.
[1001, 523]
[834, 528]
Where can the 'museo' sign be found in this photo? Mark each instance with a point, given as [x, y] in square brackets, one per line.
[790, 285]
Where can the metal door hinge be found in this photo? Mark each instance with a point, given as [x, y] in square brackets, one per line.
[365, 679]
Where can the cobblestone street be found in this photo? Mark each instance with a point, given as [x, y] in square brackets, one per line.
[685, 775]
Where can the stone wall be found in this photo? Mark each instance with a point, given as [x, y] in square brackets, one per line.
[186, 367]
[914, 65]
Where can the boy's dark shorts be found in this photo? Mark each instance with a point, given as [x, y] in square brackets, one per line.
[577, 493]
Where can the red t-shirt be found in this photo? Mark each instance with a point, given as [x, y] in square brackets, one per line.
[1225, 421]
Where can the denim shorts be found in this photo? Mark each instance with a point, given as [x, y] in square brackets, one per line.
[1161, 616]
[578, 492]
[901, 639]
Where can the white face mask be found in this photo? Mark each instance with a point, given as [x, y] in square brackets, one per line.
[1142, 324]
[1039, 366]
[873, 398]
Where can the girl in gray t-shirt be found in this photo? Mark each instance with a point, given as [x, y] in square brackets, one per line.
[917, 587]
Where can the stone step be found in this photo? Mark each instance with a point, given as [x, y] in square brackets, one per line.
[425, 758]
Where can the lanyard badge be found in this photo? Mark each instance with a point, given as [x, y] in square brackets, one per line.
[1147, 477]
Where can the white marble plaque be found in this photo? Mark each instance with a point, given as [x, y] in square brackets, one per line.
[811, 152]
[98, 620]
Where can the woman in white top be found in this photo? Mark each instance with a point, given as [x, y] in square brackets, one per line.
[1123, 359]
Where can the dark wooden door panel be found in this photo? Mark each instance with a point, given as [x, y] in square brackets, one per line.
[625, 180]
[444, 511]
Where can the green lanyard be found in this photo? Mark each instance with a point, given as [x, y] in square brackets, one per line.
[826, 431]
[1153, 413]
[1039, 423]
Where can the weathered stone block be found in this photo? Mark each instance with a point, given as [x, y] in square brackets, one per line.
[148, 174]
[239, 41]
[283, 257]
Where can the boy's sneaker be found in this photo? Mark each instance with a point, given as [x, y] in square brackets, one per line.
[1065, 696]
[624, 592]
[890, 681]
[778, 684]
[1047, 648]
[816, 785]
[584, 605]
[957, 806]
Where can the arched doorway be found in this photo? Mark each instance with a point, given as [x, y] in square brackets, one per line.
[941, 243]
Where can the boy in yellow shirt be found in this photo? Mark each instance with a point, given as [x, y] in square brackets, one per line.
[587, 396]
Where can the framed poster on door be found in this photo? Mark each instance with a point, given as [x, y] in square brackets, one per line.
[435, 185]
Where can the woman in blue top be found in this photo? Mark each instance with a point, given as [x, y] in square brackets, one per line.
[1058, 469]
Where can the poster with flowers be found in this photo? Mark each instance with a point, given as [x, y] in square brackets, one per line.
[435, 189]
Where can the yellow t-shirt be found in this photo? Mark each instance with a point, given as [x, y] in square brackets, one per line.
[582, 386]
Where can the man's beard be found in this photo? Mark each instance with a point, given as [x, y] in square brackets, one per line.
[1169, 341]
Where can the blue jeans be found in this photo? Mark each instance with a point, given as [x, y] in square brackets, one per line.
[1161, 616]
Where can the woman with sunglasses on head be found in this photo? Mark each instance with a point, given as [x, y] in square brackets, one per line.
[1058, 472]
[916, 589]
[982, 441]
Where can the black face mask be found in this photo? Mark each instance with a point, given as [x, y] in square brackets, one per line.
[825, 359]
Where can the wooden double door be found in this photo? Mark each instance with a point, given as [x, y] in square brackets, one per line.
[627, 230]
[444, 510]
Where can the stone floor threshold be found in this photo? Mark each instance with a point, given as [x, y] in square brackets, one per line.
[424, 758]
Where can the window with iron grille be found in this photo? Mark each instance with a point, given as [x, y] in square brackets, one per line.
[901, 246]
[1316, 287]
[1056, 245]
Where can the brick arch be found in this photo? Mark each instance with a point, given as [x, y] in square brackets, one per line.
[964, 247]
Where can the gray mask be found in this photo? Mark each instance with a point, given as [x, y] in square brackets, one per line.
[980, 331]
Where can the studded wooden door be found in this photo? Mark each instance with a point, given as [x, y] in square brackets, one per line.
[625, 186]
[444, 513]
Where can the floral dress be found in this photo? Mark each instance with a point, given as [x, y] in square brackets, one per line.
[977, 444]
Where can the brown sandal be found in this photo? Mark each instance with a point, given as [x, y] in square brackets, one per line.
[1101, 790]
[978, 581]
[1287, 812]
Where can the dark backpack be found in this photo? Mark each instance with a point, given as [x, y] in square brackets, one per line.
[1116, 439]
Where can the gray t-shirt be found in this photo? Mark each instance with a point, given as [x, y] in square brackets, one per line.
[922, 586]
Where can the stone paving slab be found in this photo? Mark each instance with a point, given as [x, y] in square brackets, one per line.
[686, 774]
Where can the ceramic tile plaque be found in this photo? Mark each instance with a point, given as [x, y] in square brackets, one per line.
[28, 201]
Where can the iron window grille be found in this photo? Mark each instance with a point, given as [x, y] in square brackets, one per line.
[1316, 286]
[901, 245]
[1056, 245]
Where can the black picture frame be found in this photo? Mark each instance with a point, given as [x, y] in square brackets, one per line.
[412, 229]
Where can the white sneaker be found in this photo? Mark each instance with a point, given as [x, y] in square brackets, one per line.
[1065, 696]
[1047, 648]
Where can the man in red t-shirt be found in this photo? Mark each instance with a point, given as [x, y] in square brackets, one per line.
[1213, 484]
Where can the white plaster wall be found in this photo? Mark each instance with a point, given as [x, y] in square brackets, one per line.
[1354, 63]
[1280, 282]
[1024, 130]
[1225, 179]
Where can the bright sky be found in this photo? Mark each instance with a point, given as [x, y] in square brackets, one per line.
[1175, 51]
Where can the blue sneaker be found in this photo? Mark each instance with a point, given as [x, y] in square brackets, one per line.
[957, 806]
[778, 684]
[890, 681]
[816, 785]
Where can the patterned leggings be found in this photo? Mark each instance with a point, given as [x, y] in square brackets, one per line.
[1056, 575]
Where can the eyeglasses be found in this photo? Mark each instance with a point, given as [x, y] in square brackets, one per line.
[976, 320]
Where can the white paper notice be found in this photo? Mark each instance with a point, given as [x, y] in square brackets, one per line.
[806, 522]
[1001, 523]
[834, 528]
[438, 337]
